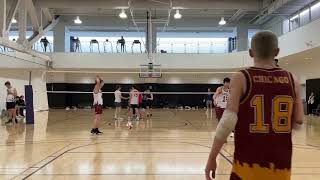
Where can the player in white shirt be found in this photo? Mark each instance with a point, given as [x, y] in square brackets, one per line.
[220, 98]
[134, 105]
[11, 102]
[98, 105]
[117, 102]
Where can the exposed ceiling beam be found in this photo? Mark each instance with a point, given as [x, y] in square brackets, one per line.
[263, 16]
[3, 14]
[249, 5]
[33, 16]
[35, 37]
[237, 16]
[11, 13]
[18, 47]
[47, 14]
[22, 23]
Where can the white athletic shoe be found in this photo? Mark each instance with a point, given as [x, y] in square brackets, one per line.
[129, 125]
[232, 135]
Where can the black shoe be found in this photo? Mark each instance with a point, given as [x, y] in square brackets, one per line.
[93, 130]
[16, 120]
[9, 121]
[98, 132]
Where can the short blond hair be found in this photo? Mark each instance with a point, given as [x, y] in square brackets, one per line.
[264, 44]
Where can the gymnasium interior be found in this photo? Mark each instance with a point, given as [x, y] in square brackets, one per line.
[52, 50]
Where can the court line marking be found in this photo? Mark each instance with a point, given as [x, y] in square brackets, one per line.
[164, 152]
[53, 159]
[32, 166]
[138, 137]
[32, 173]
[134, 174]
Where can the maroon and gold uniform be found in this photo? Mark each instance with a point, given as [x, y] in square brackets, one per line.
[263, 146]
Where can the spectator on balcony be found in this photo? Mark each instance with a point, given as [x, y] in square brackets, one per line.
[76, 42]
[45, 43]
[122, 43]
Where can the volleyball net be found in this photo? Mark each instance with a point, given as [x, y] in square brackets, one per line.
[164, 99]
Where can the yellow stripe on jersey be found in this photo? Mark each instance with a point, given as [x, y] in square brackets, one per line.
[256, 172]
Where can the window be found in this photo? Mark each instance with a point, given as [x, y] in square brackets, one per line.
[192, 42]
[304, 17]
[286, 26]
[315, 11]
[38, 46]
[111, 46]
[294, 22]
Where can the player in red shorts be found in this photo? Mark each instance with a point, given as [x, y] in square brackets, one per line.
[263, 107]
[98, 105]
[220, 98]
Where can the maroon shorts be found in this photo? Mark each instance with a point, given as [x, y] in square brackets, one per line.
[98, 108]
[219, 112]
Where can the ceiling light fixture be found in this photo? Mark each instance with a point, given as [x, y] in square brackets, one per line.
[13, 20]
[177, 15]
[77, 20]
[123, 14]
[222, 21]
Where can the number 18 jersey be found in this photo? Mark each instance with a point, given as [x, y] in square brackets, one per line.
[263, 146]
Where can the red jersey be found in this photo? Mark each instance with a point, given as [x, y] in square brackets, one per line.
[263, 146]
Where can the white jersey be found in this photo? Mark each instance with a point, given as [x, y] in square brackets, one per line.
[117, 96]
[10, 97]
[134, 97]
[222, 98]
[97, 98]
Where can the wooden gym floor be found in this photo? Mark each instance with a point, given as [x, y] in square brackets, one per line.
[172, 145]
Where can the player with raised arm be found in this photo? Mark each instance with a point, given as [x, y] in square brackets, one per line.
[98, 105]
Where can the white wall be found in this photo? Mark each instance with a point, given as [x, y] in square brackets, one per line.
[20, 60]
[134, 78]
[77, 61]
[20, 78]
[301, 39]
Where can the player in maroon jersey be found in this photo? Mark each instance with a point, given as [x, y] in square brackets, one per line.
[263, 107]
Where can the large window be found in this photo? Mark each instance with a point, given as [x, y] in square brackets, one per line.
[303, 17]
[294, 22]
[286, 26]
[315, 11]
[112, 45]
[38, 46]
[193, 42]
